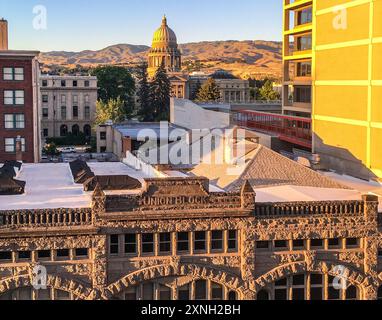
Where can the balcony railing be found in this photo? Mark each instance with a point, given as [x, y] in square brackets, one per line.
[296, 130]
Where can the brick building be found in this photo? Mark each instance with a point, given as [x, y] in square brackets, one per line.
[19, 100]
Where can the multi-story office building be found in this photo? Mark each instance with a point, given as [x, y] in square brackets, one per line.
[68, 105]
[332, 62]
[19, 96]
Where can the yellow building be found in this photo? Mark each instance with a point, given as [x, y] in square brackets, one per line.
[333, 73]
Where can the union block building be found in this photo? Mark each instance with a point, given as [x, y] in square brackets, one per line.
[173, 238]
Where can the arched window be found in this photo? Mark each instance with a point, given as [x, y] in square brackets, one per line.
[216, 291]
[76, 130]
[263, 295]
[380, 293]
[351, 293]
[87, 130]
[63, 130]
[232, 296]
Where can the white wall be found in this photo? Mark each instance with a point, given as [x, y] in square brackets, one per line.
[189, 115]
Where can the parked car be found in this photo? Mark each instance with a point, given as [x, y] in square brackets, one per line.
[68, 150]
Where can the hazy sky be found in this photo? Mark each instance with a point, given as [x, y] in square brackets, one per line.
[74, 25]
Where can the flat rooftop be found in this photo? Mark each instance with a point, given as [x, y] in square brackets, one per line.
[51, 186]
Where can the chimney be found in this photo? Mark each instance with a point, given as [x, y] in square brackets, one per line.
[3, 34]
[19, 151]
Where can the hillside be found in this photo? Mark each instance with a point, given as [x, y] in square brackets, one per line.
[243, 58]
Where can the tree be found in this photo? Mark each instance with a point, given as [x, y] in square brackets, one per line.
[196, 90]
[51, 150]
[209, 92]
[113, 109]
[267, 93]
[116, 82]
[160, 95]
[145, 110]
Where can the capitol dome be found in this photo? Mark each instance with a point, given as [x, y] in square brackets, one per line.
[164, 36]
[164, 50]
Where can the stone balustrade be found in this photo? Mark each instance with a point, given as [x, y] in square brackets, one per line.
[45, 218]
[309, 208]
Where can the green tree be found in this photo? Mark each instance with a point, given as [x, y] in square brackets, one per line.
[267, 93]
[196, 90]
[113, 109]
[51, 150]
[116, 82]
[145, 110]
[160, 95]
[209, 92]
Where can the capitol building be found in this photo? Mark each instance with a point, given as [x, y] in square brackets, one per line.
[165, 50]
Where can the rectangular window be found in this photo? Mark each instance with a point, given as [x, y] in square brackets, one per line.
[216, 240]
[10, 145]
[63, 113]
[200, 241]
[45, 113]
[333, 293]
[262, 245]
[131, 294]
[44, 83]
[200, 290]
[165, 243]
[102, 136]
[304, 69]
[303, 94]
[63, 253]
[81, 253]
[183, 242]
[87, 113]
[13, 74]
[14, 97]
[316, 243]
[130, 243]
[281, 244]
[87, 83]
[75, 99]
[304, 16]
[114, 244]
[184, 293]
[44, 254]
[304, 43]
[75, 112]
[232, 240]
[45, 98]
[75, 83]
[14, 121]
[24, 255]
[148, 243]
[334, 243]
[298, 244]
[63, 83]
[46, 132]
[216, 291]
[6, 256]
[63, 98]
[87, 98]
[352, 243]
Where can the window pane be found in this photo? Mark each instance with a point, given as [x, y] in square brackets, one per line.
[281, 294]
[232, 240]
[217, 291]
[130, 243]
[201, 290]
[217, 240]
[200, 241]
[316, 294]
[148, 291]
[183, 244]
[164, 293]
[184, 293]
[148, 243]
[8, 74]
[19, 97]
[19, 74]
[298, 294]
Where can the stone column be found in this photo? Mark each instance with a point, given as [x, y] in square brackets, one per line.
[371, 246]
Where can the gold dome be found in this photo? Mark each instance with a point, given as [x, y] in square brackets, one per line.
[164, 36]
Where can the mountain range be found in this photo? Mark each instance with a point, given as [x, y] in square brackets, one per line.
[256, 59]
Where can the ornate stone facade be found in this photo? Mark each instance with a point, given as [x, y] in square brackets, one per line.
[178, 240]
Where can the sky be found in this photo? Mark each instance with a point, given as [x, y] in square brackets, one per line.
[76, 25]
